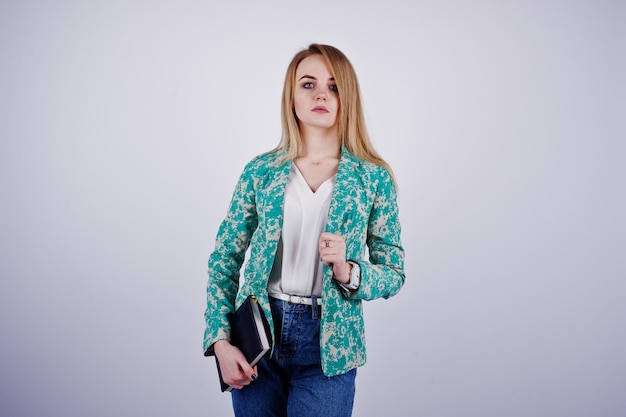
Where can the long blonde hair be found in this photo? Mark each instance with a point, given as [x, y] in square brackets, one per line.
[351, 123]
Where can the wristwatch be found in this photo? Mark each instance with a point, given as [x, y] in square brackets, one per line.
[355, 278]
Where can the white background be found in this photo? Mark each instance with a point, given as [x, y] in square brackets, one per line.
[125, 124]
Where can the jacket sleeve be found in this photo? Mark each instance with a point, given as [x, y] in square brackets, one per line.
[383, 275]
[225, 262]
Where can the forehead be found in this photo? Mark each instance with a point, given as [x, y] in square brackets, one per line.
[314, 65]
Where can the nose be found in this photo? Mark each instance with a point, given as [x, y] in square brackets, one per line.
[321, 95]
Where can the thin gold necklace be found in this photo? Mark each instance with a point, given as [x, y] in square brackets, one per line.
[319, 161]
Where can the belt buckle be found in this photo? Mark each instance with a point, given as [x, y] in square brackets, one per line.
[295, 299]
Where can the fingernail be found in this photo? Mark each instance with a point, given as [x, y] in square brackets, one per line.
[254, 377]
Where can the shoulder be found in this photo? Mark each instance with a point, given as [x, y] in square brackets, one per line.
[261, 164]
[370, 172]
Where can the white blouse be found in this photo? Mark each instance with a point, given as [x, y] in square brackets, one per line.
[298, 269]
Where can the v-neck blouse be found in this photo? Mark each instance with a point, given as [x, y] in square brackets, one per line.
[297, 268]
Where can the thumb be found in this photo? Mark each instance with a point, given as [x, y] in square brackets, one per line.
[248, 370]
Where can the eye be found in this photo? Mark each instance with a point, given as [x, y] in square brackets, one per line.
[333, 87]
[307, 85]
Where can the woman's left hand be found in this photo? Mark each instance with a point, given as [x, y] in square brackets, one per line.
[333, 252]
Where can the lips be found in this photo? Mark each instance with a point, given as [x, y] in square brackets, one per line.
[320, 109]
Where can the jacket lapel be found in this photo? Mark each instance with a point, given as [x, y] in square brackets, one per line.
[273, 186]
[345, 193]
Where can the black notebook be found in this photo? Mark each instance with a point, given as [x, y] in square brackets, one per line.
[250, 332]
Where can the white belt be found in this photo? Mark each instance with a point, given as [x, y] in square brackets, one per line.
[295, 299]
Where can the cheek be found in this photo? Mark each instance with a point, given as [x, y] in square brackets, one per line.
[297, 100]
[300, 103]
[297, 107]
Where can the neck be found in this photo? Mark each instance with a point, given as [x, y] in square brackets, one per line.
[320, 144]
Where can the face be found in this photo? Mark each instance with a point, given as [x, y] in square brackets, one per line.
[315, 98]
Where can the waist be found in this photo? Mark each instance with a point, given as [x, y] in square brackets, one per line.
[298, 299]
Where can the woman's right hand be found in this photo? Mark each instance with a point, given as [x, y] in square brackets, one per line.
[235, 369]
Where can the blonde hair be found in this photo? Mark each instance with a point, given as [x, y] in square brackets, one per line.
[351, 123]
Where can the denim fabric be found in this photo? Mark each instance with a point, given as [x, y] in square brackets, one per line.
[291, 382]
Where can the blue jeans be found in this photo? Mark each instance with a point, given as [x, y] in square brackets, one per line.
[291, 382]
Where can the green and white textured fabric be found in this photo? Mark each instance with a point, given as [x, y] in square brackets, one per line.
[363, 210]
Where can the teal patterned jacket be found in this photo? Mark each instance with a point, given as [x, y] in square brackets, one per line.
[363, 210]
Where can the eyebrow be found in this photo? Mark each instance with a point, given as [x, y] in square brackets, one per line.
[313, 78]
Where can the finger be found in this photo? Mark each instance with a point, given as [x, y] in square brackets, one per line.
[240, 381]
[325, 261]
[335, 243]
[327, 236]
[327, 246]
[248, 372]
[336, 237]
[237, 380]
[332, 254]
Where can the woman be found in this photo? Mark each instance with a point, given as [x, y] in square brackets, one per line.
[320, 215]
